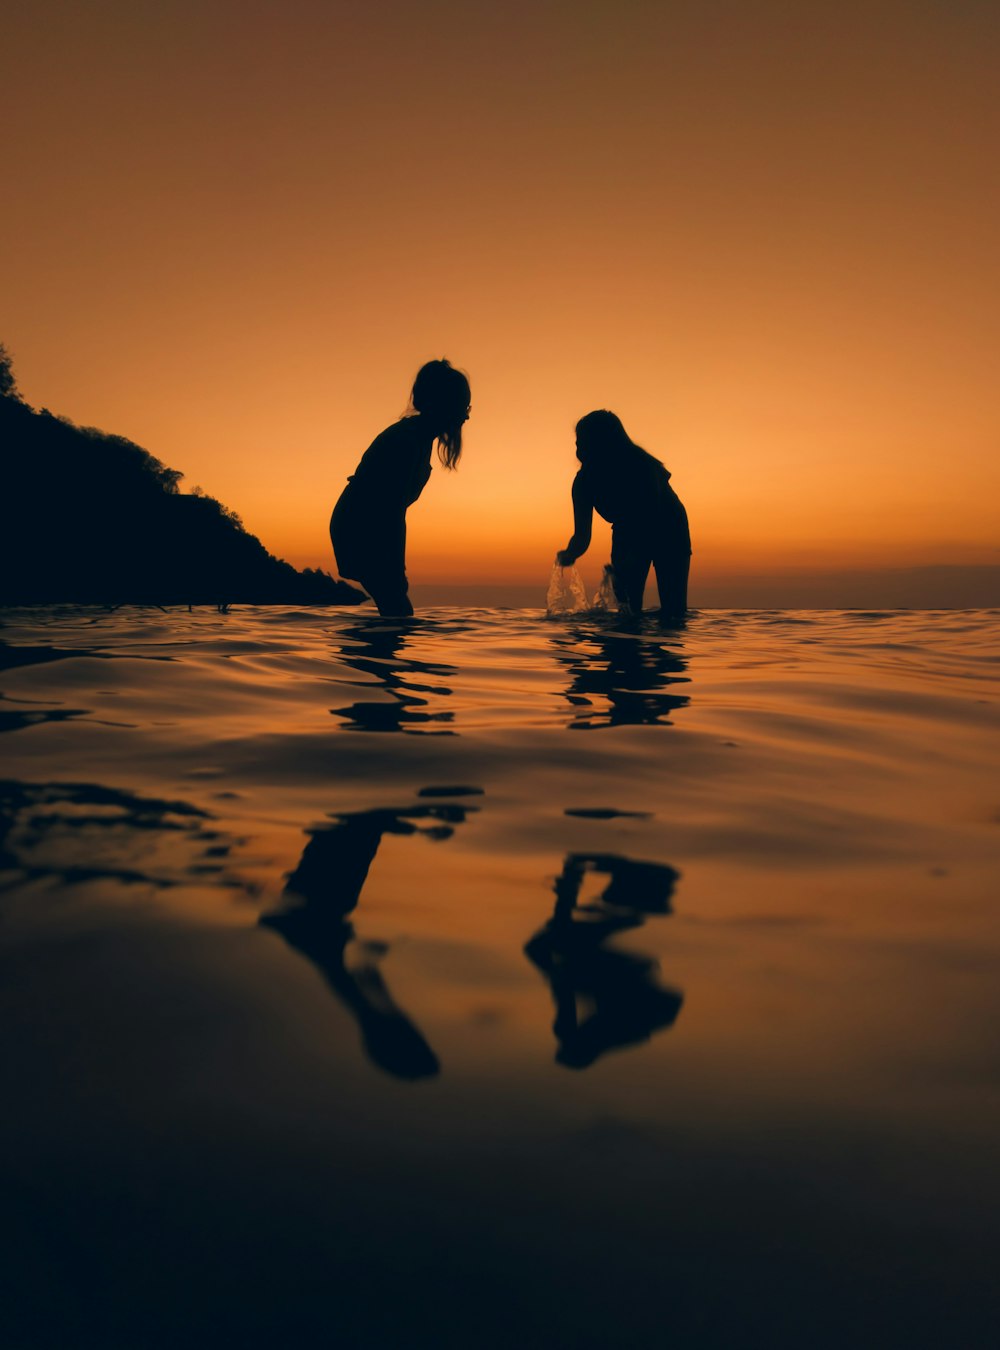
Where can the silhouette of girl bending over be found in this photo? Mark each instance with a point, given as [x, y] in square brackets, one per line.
[649, 526]
[368, 525]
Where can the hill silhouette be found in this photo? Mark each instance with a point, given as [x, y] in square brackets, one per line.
[91, 518]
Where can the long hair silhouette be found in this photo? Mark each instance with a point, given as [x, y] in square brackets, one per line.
[442, 394]
[601, 439]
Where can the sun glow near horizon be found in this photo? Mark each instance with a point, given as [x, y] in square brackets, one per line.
[764, 242]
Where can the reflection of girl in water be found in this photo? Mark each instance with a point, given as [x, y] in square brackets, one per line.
[630, 489]
[368, 525]
[314, 919]
[605, 999]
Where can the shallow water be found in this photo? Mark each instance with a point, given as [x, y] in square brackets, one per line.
[489, 979]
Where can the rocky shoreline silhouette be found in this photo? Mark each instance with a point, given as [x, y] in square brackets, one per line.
[91, 518]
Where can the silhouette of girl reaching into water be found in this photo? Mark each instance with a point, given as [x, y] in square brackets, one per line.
[649, 526]
[368, 525]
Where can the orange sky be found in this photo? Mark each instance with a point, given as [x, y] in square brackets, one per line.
[763, 233]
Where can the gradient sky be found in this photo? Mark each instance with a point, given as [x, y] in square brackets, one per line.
[763, 233]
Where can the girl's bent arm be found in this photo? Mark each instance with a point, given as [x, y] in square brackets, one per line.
[583, 512]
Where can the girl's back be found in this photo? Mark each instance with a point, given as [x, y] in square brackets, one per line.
[396, 466]
[632, 491]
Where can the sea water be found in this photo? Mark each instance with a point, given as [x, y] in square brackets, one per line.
[489, 980]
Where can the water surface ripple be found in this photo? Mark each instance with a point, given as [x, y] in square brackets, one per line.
[627, 983]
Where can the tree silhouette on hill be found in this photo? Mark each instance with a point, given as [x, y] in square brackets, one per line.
[8, 385]
[91, 518]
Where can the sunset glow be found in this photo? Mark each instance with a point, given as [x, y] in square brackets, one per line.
[766, 238]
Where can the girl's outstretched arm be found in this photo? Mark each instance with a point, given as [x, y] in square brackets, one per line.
[583, 513]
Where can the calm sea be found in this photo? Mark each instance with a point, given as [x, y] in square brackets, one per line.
[490, 980]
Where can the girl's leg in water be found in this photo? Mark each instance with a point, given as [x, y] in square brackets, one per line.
[672, 582]
[390, 593]
[384, 572]
[631, 563]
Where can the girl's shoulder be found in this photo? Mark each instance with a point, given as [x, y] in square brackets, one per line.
[390, 435]
[399, 438]
[583, 482]
[407, 435]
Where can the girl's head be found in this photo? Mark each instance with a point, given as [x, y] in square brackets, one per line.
[600, 437]
[602, 440]
[442, 395]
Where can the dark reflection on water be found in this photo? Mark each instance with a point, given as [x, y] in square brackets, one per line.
[13, 657]
[605, 999]
[377, 650]
[17, 720]
[621, 677]
[77, 832]
[320, 894]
